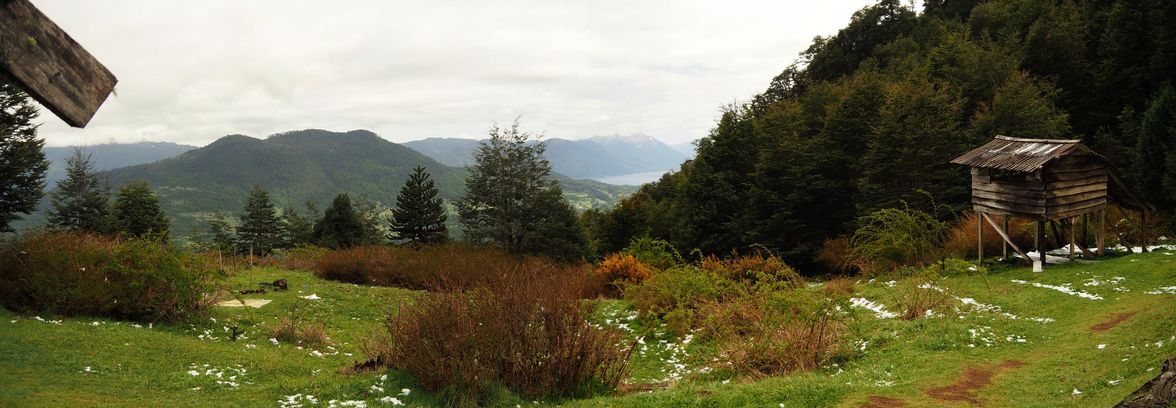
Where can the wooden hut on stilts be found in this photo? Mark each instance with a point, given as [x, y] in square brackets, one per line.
[1054, 182]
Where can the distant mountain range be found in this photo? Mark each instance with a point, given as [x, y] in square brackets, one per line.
[306, 165]
[110, 156]
[594, 158]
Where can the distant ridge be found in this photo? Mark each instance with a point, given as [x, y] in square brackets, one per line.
[595, 157]
[306, 165]
[110, 156]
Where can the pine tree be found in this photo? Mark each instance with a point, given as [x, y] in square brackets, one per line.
[341, 226]
[511, 202]
[137, 212]
[217, 235]
[22, 163]
[301, 225]
[419, 215]
[81, 200]
[261, 230]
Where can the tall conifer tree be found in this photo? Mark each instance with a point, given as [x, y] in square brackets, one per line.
[261, 230]
[22, 163]
[137, 212]
[81, 200]
[419, 215]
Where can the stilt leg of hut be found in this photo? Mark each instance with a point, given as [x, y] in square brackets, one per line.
[1039, 242]
[1101, 233]
[979, 238]
[1085, 222]
[1072, 244]
[1005, 237]
[1004, 250]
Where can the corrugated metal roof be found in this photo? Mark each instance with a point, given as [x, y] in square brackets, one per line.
[1016, 154]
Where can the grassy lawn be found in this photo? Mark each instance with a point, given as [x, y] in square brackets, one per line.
[1025, 345]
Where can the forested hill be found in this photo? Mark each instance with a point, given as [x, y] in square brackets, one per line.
[870, 117]
[595, 157]
[304, 166]
[110, 156]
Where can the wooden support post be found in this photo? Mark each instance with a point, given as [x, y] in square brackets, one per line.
[979, 238]
[1072, 243]
[1085, 222]
[1100, 235]
[1004, 250]
[1053, 226]
[1039, 241]
[1006, 238]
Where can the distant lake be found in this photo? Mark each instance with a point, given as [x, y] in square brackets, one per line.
[634, 179]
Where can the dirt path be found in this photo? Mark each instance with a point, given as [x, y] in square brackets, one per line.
[1111, 322]
[971, 379]
[875, 401]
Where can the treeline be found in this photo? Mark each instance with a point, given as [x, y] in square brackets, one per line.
[510, 202]
[870, 117]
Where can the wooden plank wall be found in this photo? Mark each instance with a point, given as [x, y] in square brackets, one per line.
[1066, 187]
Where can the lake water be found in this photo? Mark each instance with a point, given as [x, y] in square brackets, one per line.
[634, 179]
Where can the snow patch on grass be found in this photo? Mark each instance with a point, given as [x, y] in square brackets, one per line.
[1064, 288]
[879, 310]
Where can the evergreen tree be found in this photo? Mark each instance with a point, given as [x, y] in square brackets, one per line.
[81, 200]
[216, 235]
[300, 226]
[22, 163]
[511, 202]
[261, 230]
[137, 212]
[341, 226]
[419, 215]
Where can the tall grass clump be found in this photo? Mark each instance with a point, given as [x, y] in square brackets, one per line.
[526, 332]
[772, 333]
[891, 238]
[70, 273]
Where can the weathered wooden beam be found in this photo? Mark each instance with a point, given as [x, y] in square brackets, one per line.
[1006, 238]
[50, 65]
[980, 241]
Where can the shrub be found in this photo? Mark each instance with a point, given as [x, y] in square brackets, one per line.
[527, 333]
[71, 273]
[754, 270]
[621, 269]
[678, 288]
[837, 256]
[838, 287]
[436, 268]
[890, 238]
[301, 257]
[772, 333]
[654, 252]
[295, 328]
[919, 295]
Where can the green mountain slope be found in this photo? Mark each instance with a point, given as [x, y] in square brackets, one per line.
[307, 165]
[596, 157]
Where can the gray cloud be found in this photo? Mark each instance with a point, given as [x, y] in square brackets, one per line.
[190, 72]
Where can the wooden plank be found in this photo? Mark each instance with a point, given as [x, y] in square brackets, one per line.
[1076, 175]
[1062, 167]
[1028, 209]
[1070, 199]
[1001, 188]
[1076, 182]
[1040, 202]
[1077, 211]
[1002, 211]
[1072, 243]
[1057, 209]
[50, 65]
[980, 242]
[1005, 235]
[1062, 192]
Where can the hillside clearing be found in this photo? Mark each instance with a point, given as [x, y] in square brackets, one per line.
[1006, 344]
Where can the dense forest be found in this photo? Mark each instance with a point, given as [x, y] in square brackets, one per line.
[870, 117]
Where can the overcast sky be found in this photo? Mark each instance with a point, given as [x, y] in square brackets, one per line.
[190, 72]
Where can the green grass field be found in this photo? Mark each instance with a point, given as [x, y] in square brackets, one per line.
[1024, 345]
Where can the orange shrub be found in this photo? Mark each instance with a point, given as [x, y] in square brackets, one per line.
[620, 269]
